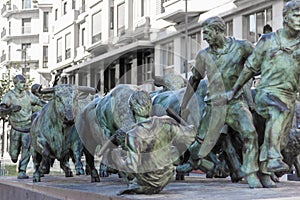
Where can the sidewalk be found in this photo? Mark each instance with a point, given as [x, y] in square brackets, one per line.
[194, 187]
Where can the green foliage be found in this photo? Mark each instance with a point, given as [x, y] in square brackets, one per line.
[5, 85]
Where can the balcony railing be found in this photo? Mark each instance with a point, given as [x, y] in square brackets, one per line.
[3, 57]
[5, 8]
[45, 62]
[96, 38]
[3, 33]
[68, 53]
[26, 29]
[59, 59]
[82, 9]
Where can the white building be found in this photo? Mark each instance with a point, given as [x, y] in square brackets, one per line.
[25, 35]
[104, 43]
[101, 43]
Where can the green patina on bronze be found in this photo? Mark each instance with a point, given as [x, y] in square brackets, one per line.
[222, 63]
[20, 120]
[150, 153]
[276, 57]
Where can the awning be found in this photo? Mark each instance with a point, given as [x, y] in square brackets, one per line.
[113, 53]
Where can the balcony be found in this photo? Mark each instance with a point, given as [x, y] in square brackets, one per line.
[82, 9]
[3, 33]
[96, 38]
[68, 54]
[26, 29]
[3, 57]
[25, 32]
[59, 59]
[7, 10]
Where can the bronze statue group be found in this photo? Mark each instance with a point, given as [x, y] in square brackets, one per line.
[146, 137]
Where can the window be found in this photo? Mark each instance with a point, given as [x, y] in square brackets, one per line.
[46, 22]
[56, 13]
[83, 36]
[168, 54]
[142, 8]
[229, 28]
[73, 4]
[96, 27]
[9, 27]
[45, 56]
[3, 56]
[25, 47]
[162, 8]
[68, 46]
[194, 44]
[255, 23]
[9, 52]
[59, 50]
[82, 8]
[26, 4]
[147, 67]
[121, 19]
[65, 8]
[26, 25]
[111, 23]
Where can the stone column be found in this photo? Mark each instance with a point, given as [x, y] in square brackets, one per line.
[134, 71]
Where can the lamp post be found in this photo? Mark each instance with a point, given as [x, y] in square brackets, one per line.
[24, 50]
[186, 41]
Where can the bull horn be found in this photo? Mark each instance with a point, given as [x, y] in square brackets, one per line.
[86, 89]
[159, 81]
[47, 90]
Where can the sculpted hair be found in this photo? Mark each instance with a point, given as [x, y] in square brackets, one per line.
[216, 23]
[18, 77]
[140, 103]
[290, 5]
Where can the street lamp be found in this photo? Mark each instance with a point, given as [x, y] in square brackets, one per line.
[24, 50]
[186, 41]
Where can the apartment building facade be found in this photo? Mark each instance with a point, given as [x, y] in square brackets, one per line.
[101, 43]
[25, 38]
[108, 42]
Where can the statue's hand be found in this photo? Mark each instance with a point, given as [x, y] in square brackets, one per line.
[16, 108]
[230, 95]
[184, 113]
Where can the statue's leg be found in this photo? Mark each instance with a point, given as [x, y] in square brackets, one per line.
[64, 164]
[77, 149]
[15, 145]
[276, 127]
[297, 165]
[240, 119]
[195, 162]
[37, 159]
[232, 158]
[89, 156]
[25, 156]
[103, 169]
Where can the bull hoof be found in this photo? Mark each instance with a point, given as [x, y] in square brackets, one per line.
[69, 174]
[179, 177]
[87, 170]
[95, 176]
[95, 179]
[36, 178]
[79, 171]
